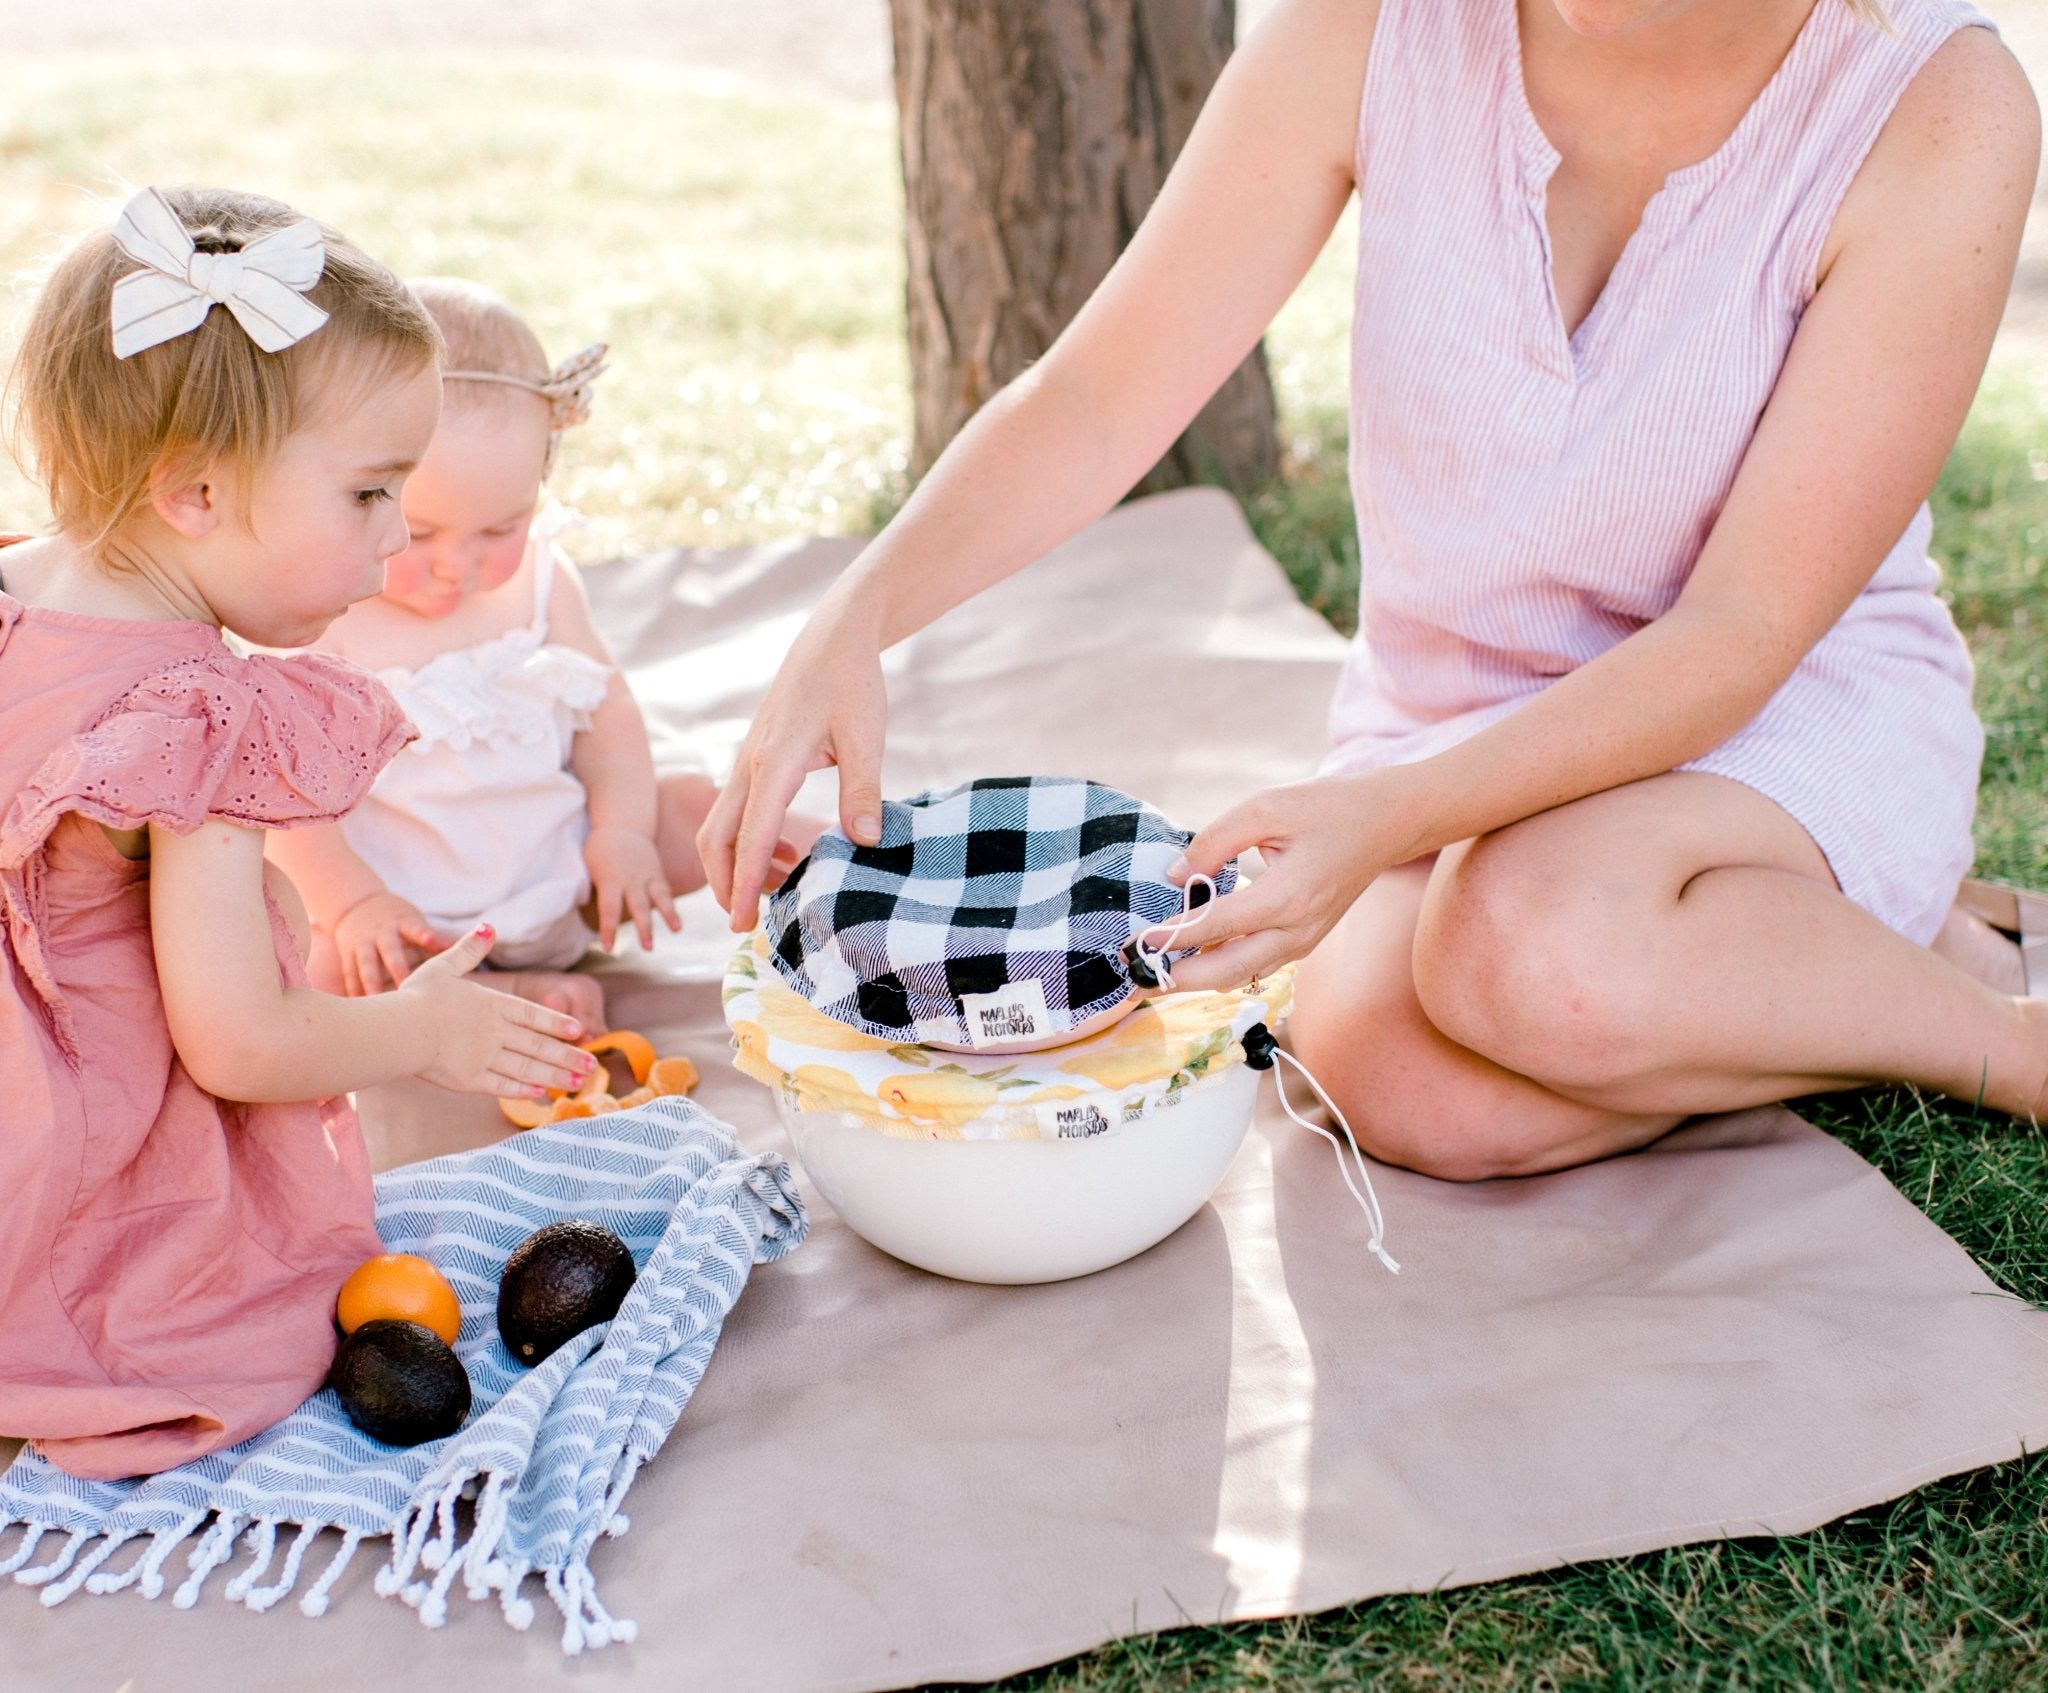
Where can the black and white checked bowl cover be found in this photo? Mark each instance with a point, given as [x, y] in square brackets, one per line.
[991, 915]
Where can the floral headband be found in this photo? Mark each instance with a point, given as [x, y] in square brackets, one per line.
[566, 388]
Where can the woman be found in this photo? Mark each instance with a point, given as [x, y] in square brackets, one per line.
[1654, 762]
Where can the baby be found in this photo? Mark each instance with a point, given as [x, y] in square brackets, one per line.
[529, 800]
[221, 399]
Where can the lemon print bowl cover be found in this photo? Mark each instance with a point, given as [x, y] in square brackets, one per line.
[1136, 1067]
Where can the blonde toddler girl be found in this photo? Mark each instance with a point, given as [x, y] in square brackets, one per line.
[222, 401]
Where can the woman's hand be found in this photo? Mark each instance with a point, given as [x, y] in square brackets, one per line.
[1323, 842]
[626, 874]
[374, 941]
[826, 706]
[483, 1041]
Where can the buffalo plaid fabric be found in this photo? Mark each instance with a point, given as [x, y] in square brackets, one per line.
[1002, 881]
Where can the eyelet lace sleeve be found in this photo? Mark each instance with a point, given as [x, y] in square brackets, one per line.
[265, 742]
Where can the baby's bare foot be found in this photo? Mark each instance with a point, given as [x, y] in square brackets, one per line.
[560, 990]
[2034, 1016]
[1973, 946]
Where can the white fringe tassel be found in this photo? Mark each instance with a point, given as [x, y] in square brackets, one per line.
[426, 1542]
[32, 1532]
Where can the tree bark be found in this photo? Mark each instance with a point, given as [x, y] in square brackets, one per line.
[1035, 135]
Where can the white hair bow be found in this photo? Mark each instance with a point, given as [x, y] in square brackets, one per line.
[264, 284]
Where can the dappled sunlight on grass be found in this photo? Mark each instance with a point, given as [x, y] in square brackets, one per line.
[741, 253]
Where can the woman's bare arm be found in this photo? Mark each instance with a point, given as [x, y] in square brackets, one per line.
[1246, 208]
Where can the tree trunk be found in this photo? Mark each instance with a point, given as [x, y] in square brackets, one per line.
[1035, 135]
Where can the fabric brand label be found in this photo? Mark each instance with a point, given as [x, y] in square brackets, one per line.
[1014, 1012]
[1073, 1119]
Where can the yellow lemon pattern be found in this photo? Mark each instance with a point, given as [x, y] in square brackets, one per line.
[1169, 1043]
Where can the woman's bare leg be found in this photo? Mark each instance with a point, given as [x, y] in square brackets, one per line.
[1579, 982]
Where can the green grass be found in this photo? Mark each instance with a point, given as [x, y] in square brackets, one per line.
[742, 254]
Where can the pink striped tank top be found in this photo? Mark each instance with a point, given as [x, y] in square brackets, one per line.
[1526, 498]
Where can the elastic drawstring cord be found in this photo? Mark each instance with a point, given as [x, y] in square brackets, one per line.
[1368, 1201]
[1151, 960]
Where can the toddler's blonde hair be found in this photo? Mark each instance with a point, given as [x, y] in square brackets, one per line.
[95, 430]
[483, 333]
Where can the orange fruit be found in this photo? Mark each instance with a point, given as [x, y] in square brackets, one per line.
[402, 1287]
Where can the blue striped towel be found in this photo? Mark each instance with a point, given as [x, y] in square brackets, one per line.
[546, 1455]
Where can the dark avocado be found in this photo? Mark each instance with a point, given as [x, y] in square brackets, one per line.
[400, 1383]
[559, 1281]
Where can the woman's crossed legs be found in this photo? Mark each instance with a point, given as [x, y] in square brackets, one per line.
[1578, 983]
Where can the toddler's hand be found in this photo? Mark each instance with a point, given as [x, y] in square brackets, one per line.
[489, 1042]
[372, 939]
[625, 869]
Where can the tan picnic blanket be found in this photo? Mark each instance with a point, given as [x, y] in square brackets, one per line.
[888, 1478]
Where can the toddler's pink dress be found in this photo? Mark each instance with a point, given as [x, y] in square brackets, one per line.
[1528, 497]
[168, 1260]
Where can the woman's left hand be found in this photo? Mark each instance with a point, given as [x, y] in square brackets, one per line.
[1323, 841]
[626, 874]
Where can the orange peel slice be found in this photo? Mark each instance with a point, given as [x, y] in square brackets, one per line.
[653, 1076]
[672, 1075]
[526, 1113]
[583, 1105]
[636, 1050]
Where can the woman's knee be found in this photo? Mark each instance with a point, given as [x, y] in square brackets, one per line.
[1407, 1101]
[1534, 964]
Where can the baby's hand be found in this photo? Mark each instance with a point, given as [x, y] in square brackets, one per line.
[625, 868]
[372, 938]
[489, 1042]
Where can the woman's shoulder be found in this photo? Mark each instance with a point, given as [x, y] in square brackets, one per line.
[1971, 88]
[1964, 133]
[1306, 61]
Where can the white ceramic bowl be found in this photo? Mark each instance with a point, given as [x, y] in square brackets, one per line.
[1029, 1210]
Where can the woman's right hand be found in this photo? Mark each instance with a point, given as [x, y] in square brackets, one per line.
[483, 1041]
[826, 706]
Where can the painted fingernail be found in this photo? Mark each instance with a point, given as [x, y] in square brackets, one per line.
[486, 932]
[536, 1092]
